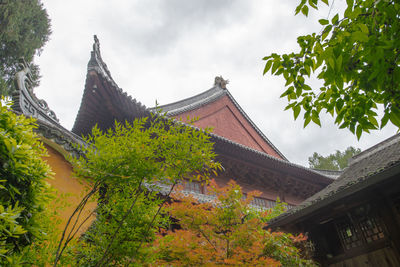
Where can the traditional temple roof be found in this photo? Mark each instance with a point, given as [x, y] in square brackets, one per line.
[103, 102]
[25, 102]
[218, 91]
[258, 158]
[372, 166]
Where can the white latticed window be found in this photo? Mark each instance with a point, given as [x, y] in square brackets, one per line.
[270, 204]
[193, 186]
[260, 202]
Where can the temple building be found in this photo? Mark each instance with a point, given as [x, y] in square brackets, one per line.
[352, 219]
[245, 152]
[355, 221]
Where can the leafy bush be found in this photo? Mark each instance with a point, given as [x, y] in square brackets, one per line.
[22, 187]
[123, 164]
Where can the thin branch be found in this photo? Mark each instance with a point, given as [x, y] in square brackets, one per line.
[208, 240]
[80, 206]
[330, 9]
[77, 217]
[82, 223]
[99, 263]
[154, 217]
[69, 238]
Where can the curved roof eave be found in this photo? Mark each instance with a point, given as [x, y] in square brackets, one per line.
[246, 151]
[119, 98]
[279, 162]
[372, 166]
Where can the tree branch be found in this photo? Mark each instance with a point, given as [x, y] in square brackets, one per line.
[99, 263]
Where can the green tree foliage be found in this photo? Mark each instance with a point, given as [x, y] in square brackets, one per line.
[357, 56]
[336, 161]
[24, 29]
[125, 165]
[227, 231]
[22, 186]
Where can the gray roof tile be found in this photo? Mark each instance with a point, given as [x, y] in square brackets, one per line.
[361, 173]
[205, 98]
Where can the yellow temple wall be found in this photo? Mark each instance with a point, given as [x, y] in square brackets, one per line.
[69, 189]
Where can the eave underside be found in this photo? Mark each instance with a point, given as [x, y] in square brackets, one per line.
[103, 104]
[370, 167]
[256, 167]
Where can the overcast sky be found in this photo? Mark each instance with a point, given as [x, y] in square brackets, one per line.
[172, 49]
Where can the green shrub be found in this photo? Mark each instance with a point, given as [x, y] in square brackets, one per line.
[22, 184]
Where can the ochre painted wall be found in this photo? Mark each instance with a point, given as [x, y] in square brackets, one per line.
[69, 189]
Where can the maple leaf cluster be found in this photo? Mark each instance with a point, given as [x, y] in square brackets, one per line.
[225, 231]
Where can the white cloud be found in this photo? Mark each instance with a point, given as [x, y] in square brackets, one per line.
[169, 50]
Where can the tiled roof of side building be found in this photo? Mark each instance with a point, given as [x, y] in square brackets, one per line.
[219, 90]
[368, 168]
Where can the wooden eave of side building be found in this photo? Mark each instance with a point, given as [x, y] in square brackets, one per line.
[373, 168]
[218, 109]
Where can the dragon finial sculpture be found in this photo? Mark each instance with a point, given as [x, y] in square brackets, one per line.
[96, 45]
[25, 99]
[219, 81]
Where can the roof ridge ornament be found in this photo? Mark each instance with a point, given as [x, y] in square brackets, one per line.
[25, 100]
[220, 82]
[96, 62]
[96, 44]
